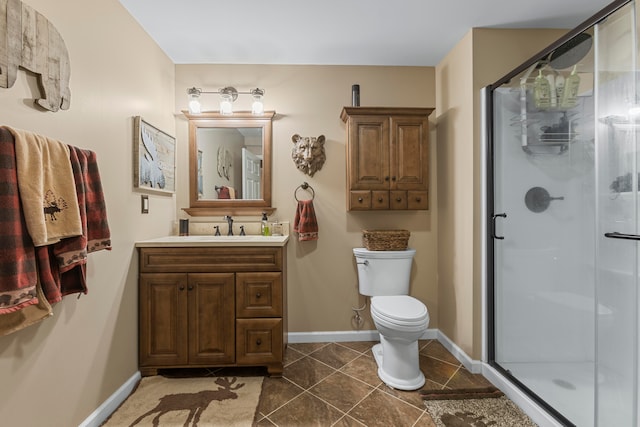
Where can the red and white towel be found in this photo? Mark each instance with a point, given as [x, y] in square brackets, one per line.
[306, 224]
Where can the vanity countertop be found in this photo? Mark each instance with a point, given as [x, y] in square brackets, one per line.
[208, 241]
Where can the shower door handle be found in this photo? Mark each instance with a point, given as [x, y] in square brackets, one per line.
[616, 235]
[493, 231]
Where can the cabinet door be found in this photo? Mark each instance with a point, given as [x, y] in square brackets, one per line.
[259, 294]
[163, 319]
[368, 162]
[409, 153]
[211, 318]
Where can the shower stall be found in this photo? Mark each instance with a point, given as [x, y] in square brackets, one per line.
[563, 174]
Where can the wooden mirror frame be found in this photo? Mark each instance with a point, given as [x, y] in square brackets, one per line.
[199, 207]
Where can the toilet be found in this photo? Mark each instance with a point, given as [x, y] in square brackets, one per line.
[400, 319]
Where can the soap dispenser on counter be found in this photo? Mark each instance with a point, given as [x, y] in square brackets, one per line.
[265, 230]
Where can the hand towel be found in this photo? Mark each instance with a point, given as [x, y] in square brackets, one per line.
[223, 193]
[47, 188]
[18, 271]
[305, 223]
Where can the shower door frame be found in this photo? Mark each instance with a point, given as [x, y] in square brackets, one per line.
[491, 214]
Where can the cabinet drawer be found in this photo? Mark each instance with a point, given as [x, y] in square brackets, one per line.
[204, 260]
[360, 200]
[379, 200]
[258, 341]
[398, 200]
[418, 200]
[259, 294]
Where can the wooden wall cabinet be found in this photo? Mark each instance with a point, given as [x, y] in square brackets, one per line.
[387, 158]
[212, 306]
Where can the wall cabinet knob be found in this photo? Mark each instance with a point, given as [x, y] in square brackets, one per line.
[418, 199]
[190, 288]
[380, 199]
[393, 178]
[181, 287]
[258, 341]
[258, 295]
[399, 199]
[386, 178]
[360, 199]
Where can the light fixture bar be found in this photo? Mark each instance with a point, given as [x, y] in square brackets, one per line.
[228, 95]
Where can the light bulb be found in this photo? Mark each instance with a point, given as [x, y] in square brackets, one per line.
[194, 100]
[257, 107]
[226, 107]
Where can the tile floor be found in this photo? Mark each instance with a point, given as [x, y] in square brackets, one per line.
[336, 384]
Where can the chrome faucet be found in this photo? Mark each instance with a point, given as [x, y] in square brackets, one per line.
[230, 222]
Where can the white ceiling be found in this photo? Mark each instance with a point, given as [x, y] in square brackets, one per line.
[337, 32]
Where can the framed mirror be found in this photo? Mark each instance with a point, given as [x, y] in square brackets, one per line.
[229, 163]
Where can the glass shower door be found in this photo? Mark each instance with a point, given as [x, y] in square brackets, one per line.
[543, 226]
[617, 219]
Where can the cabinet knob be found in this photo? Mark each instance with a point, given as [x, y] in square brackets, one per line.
[360, 199]
[386, 178]
[418, 199]
[181, 287]
[258, 295]
[190, 288]
[258, 341]
[399, 199]
[380, 199]
[393, 178]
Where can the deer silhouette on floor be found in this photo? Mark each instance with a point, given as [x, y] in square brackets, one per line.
[195, 403]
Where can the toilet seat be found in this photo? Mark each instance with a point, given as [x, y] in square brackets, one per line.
[400, 310]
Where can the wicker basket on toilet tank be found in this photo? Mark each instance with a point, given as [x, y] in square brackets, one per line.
[385, 240]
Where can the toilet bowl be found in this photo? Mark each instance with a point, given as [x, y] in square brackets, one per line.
[399, 319]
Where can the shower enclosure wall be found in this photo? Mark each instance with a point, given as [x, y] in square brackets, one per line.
[562, 221]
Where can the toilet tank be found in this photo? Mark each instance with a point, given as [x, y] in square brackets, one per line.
[383, 272]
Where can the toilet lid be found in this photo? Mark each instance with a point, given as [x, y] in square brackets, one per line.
[400, 308]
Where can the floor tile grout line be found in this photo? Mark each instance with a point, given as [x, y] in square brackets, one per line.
[288, 401]
[451, 377]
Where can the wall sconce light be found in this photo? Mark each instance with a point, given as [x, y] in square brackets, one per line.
[227, 97]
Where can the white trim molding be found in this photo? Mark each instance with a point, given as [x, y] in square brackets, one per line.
[112, 403]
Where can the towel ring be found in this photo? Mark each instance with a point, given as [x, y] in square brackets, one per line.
[304, 186]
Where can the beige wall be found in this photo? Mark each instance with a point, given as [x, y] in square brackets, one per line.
[479, 59]
[58, 372]
[308, 100]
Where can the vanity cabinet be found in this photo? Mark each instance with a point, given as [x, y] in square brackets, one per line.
[211, 306]
[387, 158]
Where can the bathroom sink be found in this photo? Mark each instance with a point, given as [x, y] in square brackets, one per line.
[208, 240]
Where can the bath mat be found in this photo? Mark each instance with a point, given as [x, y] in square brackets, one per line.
[497, 412]
[194, 402]
[464, 393]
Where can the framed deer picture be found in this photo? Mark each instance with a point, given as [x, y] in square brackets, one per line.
[154, 158]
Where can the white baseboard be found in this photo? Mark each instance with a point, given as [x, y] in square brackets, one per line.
[109, 406]
[345, 336]
[473, 366]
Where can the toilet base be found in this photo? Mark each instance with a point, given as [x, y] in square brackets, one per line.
[401, 369]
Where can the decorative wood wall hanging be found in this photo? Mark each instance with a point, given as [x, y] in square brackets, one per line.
[30, 41]
[308, 153]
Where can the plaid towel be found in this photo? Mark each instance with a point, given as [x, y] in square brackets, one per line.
[93, 212]
[67, 259]
[305, 223]
[18, 274]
